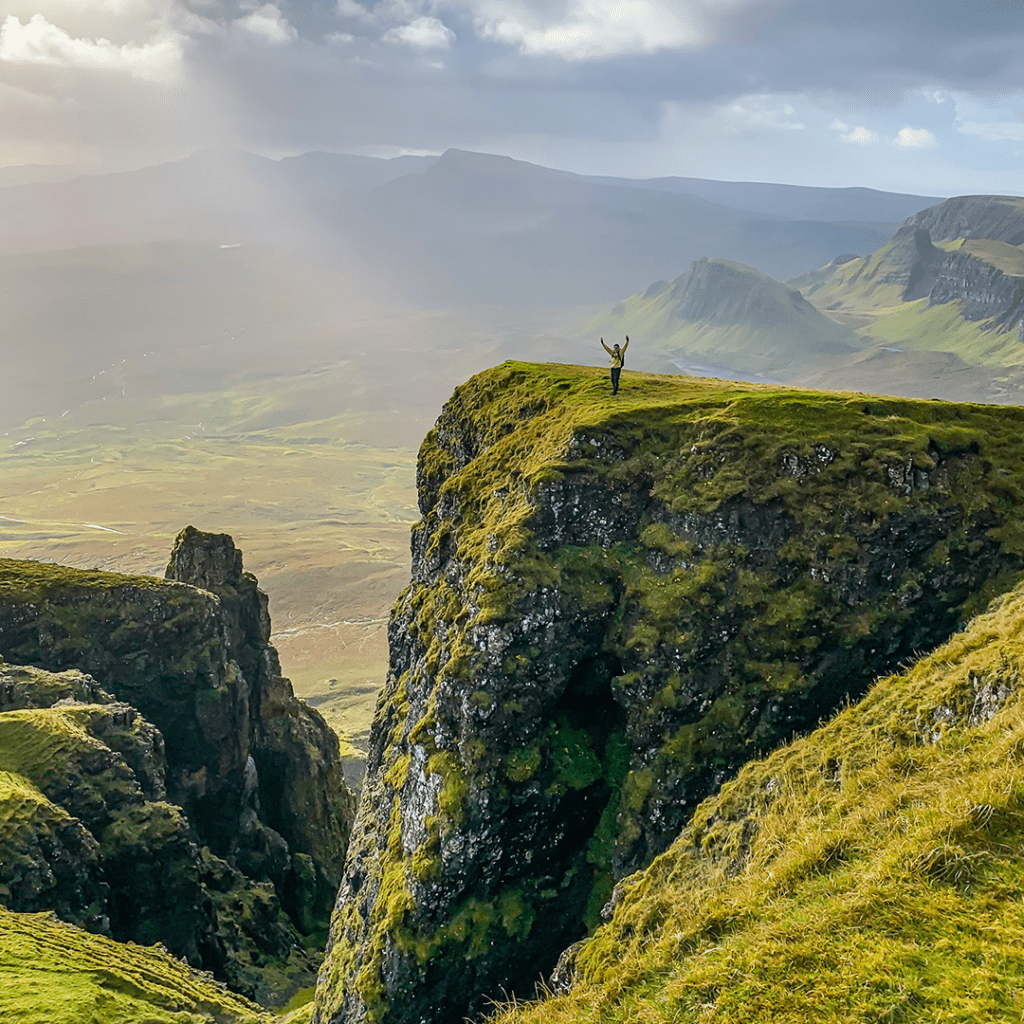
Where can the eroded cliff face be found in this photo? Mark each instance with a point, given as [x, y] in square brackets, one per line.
[178, 792]
[984, 291]
[613, 607]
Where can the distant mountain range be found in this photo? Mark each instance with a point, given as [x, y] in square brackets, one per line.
[731, 315]
[937, 309]
[462, 228]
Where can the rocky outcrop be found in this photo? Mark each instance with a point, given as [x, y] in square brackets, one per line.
[922, 270]
[998, 217]
[295, 777]
[984, 291]
[203, 799]
[612, 609]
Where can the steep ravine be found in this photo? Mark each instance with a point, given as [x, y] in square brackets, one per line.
[614, 606]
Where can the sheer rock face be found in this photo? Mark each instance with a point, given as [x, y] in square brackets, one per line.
[301, 791]
[250, 775]
[998, 217]
[984, 291]
[611, 610]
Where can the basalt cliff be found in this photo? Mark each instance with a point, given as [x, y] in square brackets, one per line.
[616, 604]
[951, 279]
[159, 781]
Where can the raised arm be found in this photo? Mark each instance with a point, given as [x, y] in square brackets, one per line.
[624, 347]
[605, 347]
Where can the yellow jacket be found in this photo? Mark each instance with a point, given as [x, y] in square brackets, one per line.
[618, 354]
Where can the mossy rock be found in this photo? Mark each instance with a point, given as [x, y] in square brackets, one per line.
[615, 604]
[873, 870]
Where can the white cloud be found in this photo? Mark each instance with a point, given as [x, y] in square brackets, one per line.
[340, 37]
[351, 9]
[592, 29]
[861, 135]
[994, 131]
[915, 138]
[425, 33]
[269, 25]
[760, 113]
[40, 42]
[934, 96]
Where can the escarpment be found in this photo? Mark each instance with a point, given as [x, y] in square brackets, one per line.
[160, 780]
[614, 606]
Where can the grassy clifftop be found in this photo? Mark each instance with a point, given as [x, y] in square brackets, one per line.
[615, 604]
[873, 870]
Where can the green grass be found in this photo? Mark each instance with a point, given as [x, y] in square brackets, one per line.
[54, 972]
[24, 810]
[916, 325]
[51, 745]
[872, 871]
[1007, 258]
[24, 580]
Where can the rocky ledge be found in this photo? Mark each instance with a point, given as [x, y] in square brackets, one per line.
[159, 781]
[615, 604]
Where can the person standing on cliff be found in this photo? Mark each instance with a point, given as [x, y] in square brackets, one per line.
[618, 360]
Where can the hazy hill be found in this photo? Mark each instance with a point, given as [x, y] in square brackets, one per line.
[510, 232]
[729, 315]
[464, 228]
[793, 202]
[951, 279]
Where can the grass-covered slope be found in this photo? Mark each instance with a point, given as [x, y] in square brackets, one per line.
[728, 314]
[951, 279]
[872, 871]
[615, 604]
[55, 973]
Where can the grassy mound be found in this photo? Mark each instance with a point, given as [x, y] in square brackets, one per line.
[872, 871]
[54, 972]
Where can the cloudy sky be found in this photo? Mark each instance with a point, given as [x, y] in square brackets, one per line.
[923, 96]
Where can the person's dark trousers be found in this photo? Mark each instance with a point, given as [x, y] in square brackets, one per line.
[616, 370]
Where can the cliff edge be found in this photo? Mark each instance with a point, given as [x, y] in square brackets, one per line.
[615, 604]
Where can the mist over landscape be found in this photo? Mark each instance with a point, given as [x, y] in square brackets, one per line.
[332, 277]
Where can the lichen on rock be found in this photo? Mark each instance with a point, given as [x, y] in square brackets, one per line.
[613, 607]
